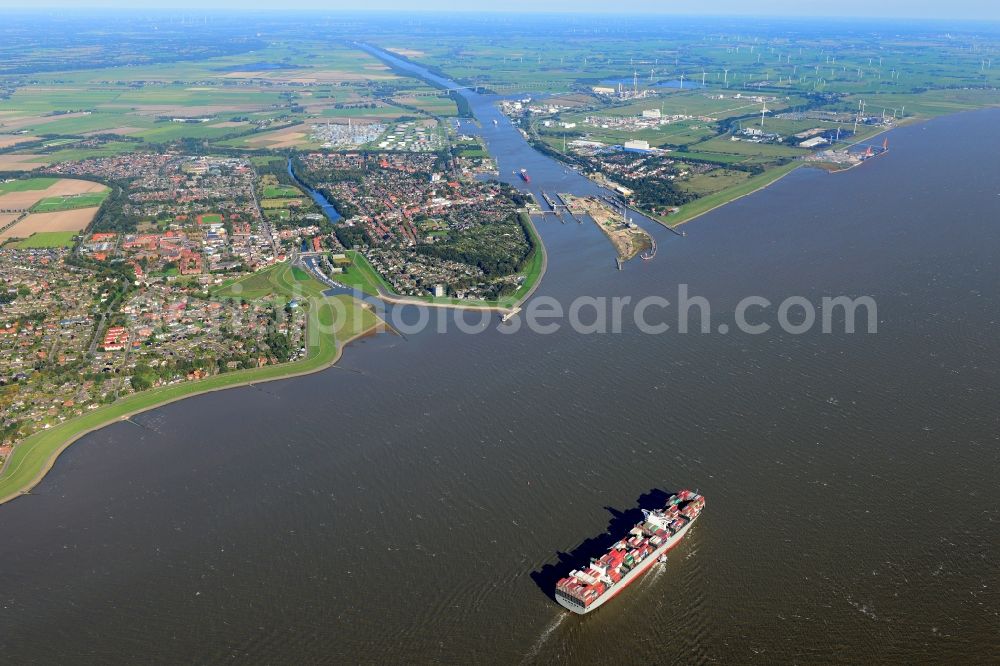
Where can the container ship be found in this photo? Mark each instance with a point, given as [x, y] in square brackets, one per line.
[524, 176]
[589, 588]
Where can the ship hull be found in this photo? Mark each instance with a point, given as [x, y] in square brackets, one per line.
[575, 606]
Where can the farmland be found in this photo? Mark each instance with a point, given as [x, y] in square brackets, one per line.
[69, 202]
[74, 220]
[44, 195]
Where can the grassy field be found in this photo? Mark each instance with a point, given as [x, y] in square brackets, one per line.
[281, 192]
[278, 214]
[70, 202]
[438, 106]
[281, 203]
[72, 154]
[701, 206]
[27, 184]
[724, 145]
[45, 240]
[713, 181]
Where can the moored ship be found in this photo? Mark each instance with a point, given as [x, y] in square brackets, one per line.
[587, 589]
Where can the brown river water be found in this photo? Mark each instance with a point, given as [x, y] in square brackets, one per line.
[416, 503]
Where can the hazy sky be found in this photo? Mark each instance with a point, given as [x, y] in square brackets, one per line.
[953, 9]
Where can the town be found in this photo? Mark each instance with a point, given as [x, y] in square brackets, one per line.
[426, 233]
[140, 298]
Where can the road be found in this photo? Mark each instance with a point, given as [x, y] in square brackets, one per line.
[265, 224]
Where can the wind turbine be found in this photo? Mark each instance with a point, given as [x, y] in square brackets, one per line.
[763, 110]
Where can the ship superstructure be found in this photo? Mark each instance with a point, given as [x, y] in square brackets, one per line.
[586, 589]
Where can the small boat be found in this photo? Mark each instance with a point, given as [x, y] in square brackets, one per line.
[662, 559]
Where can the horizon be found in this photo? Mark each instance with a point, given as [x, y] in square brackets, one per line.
[899, 10]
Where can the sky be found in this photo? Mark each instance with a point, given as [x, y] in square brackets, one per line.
[950, 9]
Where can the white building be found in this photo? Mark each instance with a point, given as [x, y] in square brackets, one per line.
[651, 113]
[813, 142]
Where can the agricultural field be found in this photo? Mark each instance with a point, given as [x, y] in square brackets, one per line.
[68, 220]
[69, 202]
[9, 140]
[294, 136]
[543, 56]
[261, 99]
[27, 185]
[52, 194]
[26, 162]
[437, 105]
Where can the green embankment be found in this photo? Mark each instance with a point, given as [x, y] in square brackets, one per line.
[327, 333]
[535, 267]
[701, 206]
[363, 276]
[281, 280]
